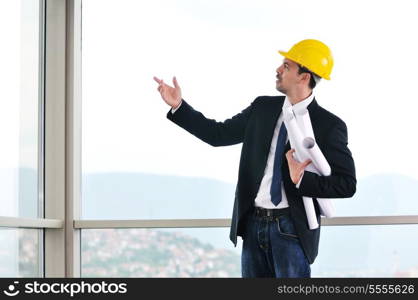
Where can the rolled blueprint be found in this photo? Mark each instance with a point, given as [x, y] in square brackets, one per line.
[318, 159]
[320, 163]
[295, 135]
[296, 140]
[304, 121]
[302, 139]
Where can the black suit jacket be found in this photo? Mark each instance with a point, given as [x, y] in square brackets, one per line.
[254, 127]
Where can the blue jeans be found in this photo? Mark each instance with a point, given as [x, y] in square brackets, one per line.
[271, 248]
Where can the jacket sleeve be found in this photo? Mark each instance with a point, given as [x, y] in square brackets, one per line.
[226, 133]
[342, 181]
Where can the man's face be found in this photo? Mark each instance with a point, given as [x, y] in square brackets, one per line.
[287, 76]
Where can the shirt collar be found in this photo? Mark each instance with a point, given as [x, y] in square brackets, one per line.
[300, 105]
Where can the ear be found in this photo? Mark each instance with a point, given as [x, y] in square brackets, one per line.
[305, 77]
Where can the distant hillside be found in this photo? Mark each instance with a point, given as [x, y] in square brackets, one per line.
[382, 194]
[153, 253]
[139, 196]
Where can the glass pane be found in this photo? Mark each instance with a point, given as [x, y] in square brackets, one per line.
[345, 251]
[367, 251]
[159, 253]
[19, 60]
[19, 252]
[224, 56]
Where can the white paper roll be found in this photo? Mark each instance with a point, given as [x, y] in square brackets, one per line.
[304, 121]
[318, 159]
[296, 142]
[310, 212]
[321, 165]
[302, 139]
[295, 136]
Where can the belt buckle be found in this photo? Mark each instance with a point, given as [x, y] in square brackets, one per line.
[269, 213]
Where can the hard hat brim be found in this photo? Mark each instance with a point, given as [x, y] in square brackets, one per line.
[286, 55]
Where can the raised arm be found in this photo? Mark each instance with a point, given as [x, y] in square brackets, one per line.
[228, 132]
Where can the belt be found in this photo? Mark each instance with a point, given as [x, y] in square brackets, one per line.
[264, 212]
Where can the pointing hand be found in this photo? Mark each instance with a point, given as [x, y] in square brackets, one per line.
[171, 95]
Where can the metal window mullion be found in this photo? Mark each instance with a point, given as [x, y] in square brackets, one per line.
[41, 110]
[41, 132]
[206, 223]
[54, 137]
[62, 135]
[162, 223]
[17, 222]
[73, 137]
[371, 220]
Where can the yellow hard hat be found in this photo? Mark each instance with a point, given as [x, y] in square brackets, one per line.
[313, 55]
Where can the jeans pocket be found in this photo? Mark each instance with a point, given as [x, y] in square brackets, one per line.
[286, 227]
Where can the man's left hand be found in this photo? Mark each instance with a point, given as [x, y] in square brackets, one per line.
[296, 168]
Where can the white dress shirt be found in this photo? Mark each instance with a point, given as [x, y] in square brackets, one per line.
[263, 198]
[173, 110]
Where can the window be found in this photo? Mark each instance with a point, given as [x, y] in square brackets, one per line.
[159, 253]
[367, 251]
[21, 171]
[138, 165]
[19, 108]
[20, 252]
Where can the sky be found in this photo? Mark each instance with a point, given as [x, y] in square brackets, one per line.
[224, 54]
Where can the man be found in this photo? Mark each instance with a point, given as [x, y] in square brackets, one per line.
[268, 210]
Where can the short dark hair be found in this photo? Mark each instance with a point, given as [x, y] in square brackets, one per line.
[312, 82]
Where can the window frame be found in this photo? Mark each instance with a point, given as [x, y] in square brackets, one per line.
[60, 132]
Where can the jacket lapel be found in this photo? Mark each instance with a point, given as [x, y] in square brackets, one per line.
[268, 120]
[270, 116]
